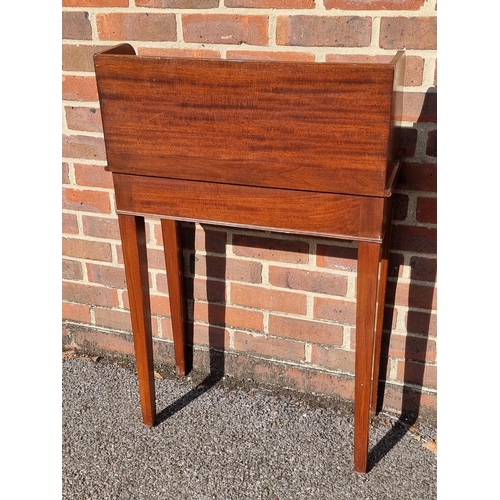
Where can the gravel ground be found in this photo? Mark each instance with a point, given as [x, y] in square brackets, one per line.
[227, 442]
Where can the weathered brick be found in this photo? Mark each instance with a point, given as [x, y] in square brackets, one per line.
[269, 346]
[234, 317]
[271, 4]
[333, 359]
[408, 33]
[200, 289]
[106, 275]
[76, 312]
[83, 118]
[84, 249]
[80, 57]
[309, 281]
[414, 295]
[263, 248]
[69, 224]
[71, 270]
[113, 318]
[231, 29]
[260, 55]
[95, 3]
[411, 347]
[335, 310]
[420, 374]
[86, 200]
[419, 107]
[83, 146]
[79, 88]
[322, 31]
[427, 210]
[101, 227]
[229, 269]
[76, 26]
[308, 331]
[65, 173]
[137, 26]
[271, 300]
[431, 149]
[374, 4]
[216, 338]
[89, 294]
[423, 269]
[178, 4]
[335, 257]
[414, 239]
[417, 177]
[93, 176]
[168, 52]
[422, 323]
[400, 206]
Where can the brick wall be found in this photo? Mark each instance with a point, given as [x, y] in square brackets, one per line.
[282, 308]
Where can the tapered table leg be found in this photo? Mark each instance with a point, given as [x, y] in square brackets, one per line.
[366, 314]
[133, 236]
[382, 286]
[172, 245]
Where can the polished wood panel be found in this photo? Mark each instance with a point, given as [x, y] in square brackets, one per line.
[293, 125]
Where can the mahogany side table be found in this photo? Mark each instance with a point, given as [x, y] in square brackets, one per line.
[297, 147]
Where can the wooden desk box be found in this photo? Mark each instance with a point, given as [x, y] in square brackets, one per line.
[296, 147]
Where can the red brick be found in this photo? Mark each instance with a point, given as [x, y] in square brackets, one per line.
[72, 270]
[411, 400]
[166, 328]
[160, 305]
[414, 239]
[191, 53]
[271, 4]
[307, 331]
[335, 310]
[84, 249]
[338, 258]
[229, 269]
[431, 149]
[86, 200]
[419, 374]
[408, 139]
[427, 210]
[69, 224]
[137, 26]
[231, 29]
[322, 31]
[413, 295]
[101, 227]
[418, 177]
[263, 248]
[216, 338]
[256, 55]
[419, 107]
[93, 176]
[400, 210]
[268, 346]
[206, 240]
[79, 88]
[423, 269]
[374, 4]
[270, 300]
[333, 359]
[113, 318]
[65, 173]
[76, 26]
[76, 312]
[319, 382]
[211, 290]
[89, 294]
[308, 281]
[83, 118]
[408, 33]
[79, 57]
[178, 4]
[106, 275]
[83, 146]
[234, 317]
[422, 323]
[103, 340]
[95, 3]
[410, 347]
